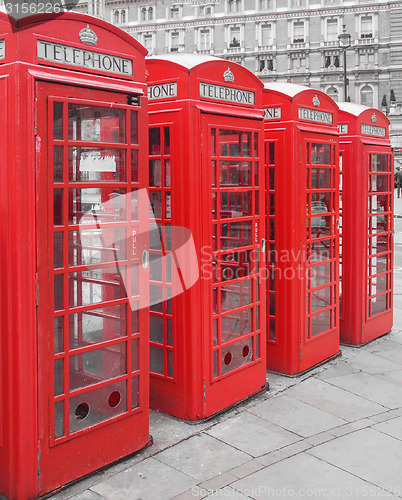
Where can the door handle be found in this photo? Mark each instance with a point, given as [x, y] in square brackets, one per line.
[145, 259]
[263, 245]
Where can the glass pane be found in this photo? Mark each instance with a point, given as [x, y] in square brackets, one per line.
[236, 295]
[170, 363]
[97, 405]
[58, 163]
[380, 284]
[134, 355]
[58, 250]
[58, 334]
[236, 204]
[378, 223]
[135, 392]
[321, 178]
[96, 164]
[59, 419]
[320, 323]
[58, 377]
[235, 173]
[155, 178]
[379, 264]
[236, 234]
[94, 366]
[103, 205]
[320, 227]
[319, 275]
[379, 163]
[134, 127]
[167, 141]
[155, 197]
[156, 328]
[234, 143]
[97, 325]
[236, 324]
[58, 207]
[134, 165]
[320, 203]
[167, 173]
[96, 124]
[156, 363]
[96, 285]
[379, 304]
[380, 183]
[320, 299]
[236, 355]
[57, 120]
[154, 141]
[320, 154]
[58, 292]
[87, 246]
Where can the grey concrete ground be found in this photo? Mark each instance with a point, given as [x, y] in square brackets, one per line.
[333, 433]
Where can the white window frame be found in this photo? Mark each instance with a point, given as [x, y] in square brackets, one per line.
[373, 94]
[331, 20]
[293, 38]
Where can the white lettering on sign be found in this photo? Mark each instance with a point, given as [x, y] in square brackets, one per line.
[373, 130]
[272, 113]
[314, 115]
[163, 90]
[343, 128]
[228, 94]
[94, 162]
[2, 49]
[73, 56]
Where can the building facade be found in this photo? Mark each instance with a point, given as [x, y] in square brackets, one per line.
[280, 40]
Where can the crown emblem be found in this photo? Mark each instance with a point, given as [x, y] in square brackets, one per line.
[316, 101]
[228, 76]
[374, 118]
[88, 36]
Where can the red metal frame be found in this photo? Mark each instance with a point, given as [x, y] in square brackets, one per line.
[367, 224]
[206, 358]
[301, 154]
[67, 386]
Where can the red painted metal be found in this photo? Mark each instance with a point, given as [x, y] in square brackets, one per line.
[206, 175]
[301, 152]
[367, 224]
[74, 397]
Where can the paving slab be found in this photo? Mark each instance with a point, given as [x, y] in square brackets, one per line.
[228, 492]
[371, 387]
[202, 457]
[252, 434]
[296, 416]
[87, 495]
[337, 369]
[334, 400]
[304, 476]
[391, 427]
[147, 480]
[369, 362]
[391, 351]
[368, 454]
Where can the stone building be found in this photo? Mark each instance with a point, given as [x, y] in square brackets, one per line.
[280, 40]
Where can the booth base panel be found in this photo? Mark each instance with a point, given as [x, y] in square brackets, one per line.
[90, 474]
[365, 342]
[299, 374]
[263, 389]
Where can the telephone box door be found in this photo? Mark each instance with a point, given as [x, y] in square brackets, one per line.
[233, 152]
[380, 239]
[320, 157]
[92, 329]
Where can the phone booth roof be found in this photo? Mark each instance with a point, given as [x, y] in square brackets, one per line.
[203, 78]
[298, 103]
[77, 42]
[359, 120]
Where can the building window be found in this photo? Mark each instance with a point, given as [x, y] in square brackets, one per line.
[174, 12]
[331, 61]
[297, 3]
[147, 13]
[234, 5]
[119, 16]
[266, 4]
[334, 93]
[205, 10]
[116, 17]
[174, 41]
[205, 39]
[298, 32]
[366, 58]
[123, 16]
[266, 64]
[366, 27]
[367, 96]
[234, 36]
[298, 63]
[332, 30]
[147, 41]
[266, 35]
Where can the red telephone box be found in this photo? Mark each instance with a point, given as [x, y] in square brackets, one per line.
[366, 164]
[301, 154]
[207, 345]
[74, 341]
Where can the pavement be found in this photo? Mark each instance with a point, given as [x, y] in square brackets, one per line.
[335, 432]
